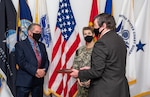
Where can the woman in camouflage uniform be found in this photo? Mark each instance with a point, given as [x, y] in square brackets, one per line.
[83, 58]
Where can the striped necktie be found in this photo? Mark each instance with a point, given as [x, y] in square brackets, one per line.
[37, 54]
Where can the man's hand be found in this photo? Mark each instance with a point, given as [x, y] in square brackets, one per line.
[85, 68]
[40, 73]
[74, 73]
[79, 82]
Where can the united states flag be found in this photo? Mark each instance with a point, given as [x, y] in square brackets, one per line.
[65, 42]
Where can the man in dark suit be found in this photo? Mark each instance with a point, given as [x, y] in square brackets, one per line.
[107, 73]
[32, 59]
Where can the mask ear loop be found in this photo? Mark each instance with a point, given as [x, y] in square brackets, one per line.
[100, 33]
[101, 26]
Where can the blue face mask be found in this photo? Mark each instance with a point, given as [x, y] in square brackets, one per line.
[88, 38]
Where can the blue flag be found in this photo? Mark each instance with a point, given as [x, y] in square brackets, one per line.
[108, 7]
[25, 19]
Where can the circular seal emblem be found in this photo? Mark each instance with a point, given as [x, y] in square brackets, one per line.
[126, 30]
[24, 26]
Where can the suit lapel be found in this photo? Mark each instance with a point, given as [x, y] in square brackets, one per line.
[30, 48]
[41, 49]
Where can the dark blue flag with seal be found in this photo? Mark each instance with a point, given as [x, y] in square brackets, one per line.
[25, 19]
[7, 42]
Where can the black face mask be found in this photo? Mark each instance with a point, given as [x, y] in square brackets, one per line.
[96, 31]
[36, 36]
[88, 38]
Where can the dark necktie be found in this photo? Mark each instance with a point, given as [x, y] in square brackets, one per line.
[37, 54]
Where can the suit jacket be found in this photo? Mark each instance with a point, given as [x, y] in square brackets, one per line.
[28, 65]
[107, 73]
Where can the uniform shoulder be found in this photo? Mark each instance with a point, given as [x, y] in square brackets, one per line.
[80, 49]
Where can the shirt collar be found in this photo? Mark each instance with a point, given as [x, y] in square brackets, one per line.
[31, 41]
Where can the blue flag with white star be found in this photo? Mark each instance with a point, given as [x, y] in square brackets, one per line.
[142, 51]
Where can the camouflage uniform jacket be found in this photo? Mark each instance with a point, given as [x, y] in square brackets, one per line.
[82, 58]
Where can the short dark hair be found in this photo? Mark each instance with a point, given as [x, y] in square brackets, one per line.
[88, 28]
[106, 18]
[31, 26]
